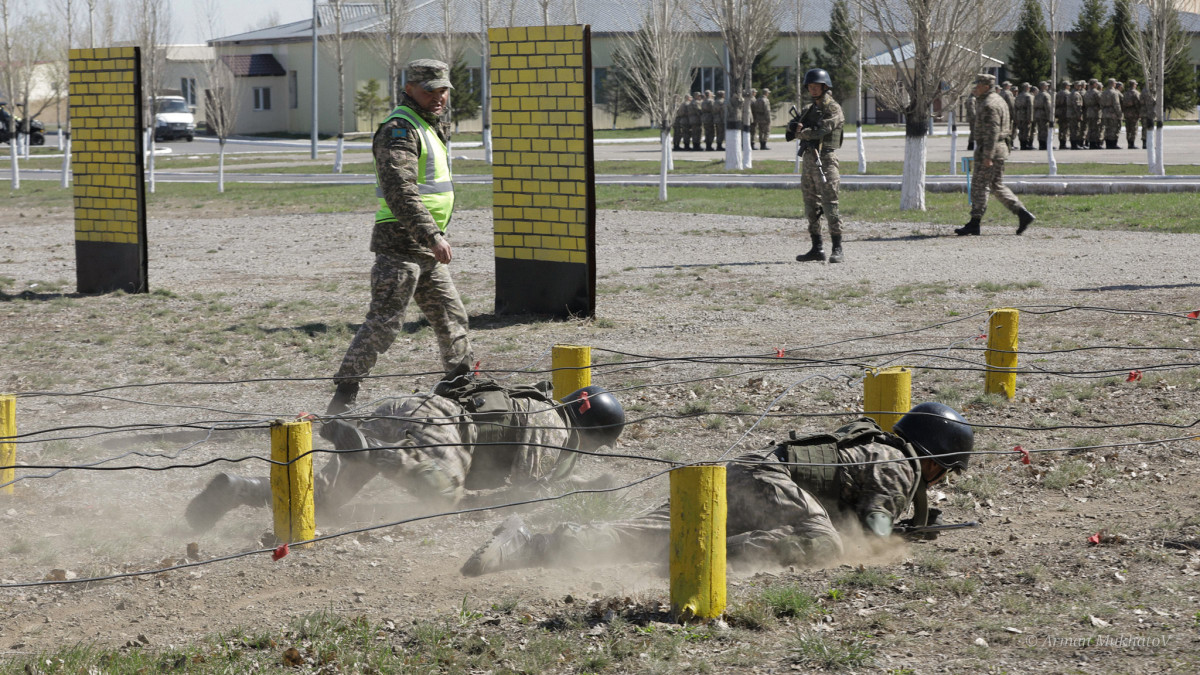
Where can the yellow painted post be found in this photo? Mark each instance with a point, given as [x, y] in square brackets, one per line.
[887, 389]
[697, 542]
[1002, 353]
[8, 449]
[292, 484]
[572, 369]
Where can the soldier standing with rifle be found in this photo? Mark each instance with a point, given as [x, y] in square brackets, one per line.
[819, 128]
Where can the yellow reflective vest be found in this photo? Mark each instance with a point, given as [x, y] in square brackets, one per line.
[434, 182]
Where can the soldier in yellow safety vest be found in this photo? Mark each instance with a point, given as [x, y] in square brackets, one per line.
[416, 201]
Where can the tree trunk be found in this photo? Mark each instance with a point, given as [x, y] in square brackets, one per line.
[733, 148]
[150, 164]
[862, 150]
[221, 167]
[912, 185]
[664, 138]
[1051, 163]
[953, 142]
[337, 160]
[66, 165]
[16, 169]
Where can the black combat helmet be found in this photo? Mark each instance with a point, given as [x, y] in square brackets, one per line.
[939, 432]
[818, 76]
[596, 414]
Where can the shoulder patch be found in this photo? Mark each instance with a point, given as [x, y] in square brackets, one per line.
[400, 132]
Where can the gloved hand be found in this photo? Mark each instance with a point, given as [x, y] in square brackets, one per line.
[793, 129]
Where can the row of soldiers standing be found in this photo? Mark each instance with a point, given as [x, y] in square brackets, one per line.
[703, 115]
[1086, 115]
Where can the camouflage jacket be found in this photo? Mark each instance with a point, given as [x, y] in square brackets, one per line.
[396, 147]
[1041, 107]
[1023, 107]
[993, 128]
[827, 127]
[1091, 104]
[1062, 104]
[760, 110]
[1131, 103]
[1110, 103]
[693, 112]
[706, 111]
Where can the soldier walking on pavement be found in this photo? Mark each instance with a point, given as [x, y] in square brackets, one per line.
[416, 202]
[1041, 115]
[1110, 113]
[1023, 117]
[1062, 108]
[707, 119]
[760, 109]
[819, 128]
[1131, 107]
[991, 150]
[779, 500]
[472, 440]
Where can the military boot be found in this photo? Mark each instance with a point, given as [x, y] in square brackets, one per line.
[1024, 218]
[816, 253]
[835, 256]
[224, 493]
[343, 398]
[972, 227]
[512, 546]
[1062, 145]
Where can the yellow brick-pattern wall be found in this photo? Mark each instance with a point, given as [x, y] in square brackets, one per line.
[541, 177]
[105, 144]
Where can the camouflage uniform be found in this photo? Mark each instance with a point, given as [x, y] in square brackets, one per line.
[707, 119]
[404, 267]
[991, 142]
[1131, 107]
[1149, 115]
[821, 196]
[695, 128]
[760, 111]
[768, 518]
[1110, 113]
[680, 128]
[1091, 114]
[1041, 114]
[1062, 111]
[969, 115]
[1023, 117]
[1078, 128]
[1010, 100]
[719, 119]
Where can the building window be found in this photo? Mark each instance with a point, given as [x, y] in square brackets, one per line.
[262, 98]
[187, 89]
[293, 91]
[708, 77]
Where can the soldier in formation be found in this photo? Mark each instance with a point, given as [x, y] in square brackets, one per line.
[707, 119]
[416, 201]
[472, 440]
[991, 151]
[1041, 115]
[695, 120]
[1131, 107]
[1078, 128]
[1149, 114]
[760, 110]
[682, 135]
[1092, 114]
[719, 119]
[1062, 106]
[819, 128]
[1023, 117]
[786, 504]
[1010, 99]
[1110, 114]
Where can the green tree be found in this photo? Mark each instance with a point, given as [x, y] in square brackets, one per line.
[615, 93]
[465, 97]
[1119, 62]
[1090, 42]
[369, 103]
[764, 73]
[1179, 81]
[840, 56]
[1029, 60]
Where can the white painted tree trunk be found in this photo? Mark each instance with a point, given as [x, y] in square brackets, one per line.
[16, 168]
[1051, 163]
[862, 152]
[664, 137]
[337, 160]
[733, 149]
[487, 145]
[1159, 167]
[60, 137]
[670, 155]
[150, 169]
[221, 168]
[1149, 151]
[799, 160]
[66, 165]
[912, 185]
[747, 150]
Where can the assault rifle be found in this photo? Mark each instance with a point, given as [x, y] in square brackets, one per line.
[805, 146]
[930, 531]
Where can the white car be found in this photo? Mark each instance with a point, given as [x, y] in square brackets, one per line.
[173, 119]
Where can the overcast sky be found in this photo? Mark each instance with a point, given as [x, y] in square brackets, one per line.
[190, 26]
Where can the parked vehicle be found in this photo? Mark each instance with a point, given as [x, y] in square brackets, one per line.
[173, 119]
[36, 130]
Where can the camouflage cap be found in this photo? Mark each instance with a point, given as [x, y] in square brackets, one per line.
[1093, 80]
[429, 74]
[720, 92]
[765, 91]
[985, 78]
[1131, 83]
[1024, 86]
[1080, 83]
[1064, 83]
[708, 92]
[1110, 81]
[696, 94]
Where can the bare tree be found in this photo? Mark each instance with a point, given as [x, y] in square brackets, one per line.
[545, 5]
[1156, 50]
[934, 46]
[657, 59]
[151, 22]
[485, 69]
[27, 41]
[10, 81]
[335, 42]
[67, 9]
[223, 92]
[392, 41]
[1052, 7]
[445, 44]
[746, 27]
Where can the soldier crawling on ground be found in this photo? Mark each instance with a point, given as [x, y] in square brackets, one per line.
[473, 440]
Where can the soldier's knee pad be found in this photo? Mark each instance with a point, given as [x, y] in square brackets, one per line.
[430, 481]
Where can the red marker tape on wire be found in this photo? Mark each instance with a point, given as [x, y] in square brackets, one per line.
[1024, 454]
[780, 353]
[1195, 314]
[279, 552]
[1134, 376]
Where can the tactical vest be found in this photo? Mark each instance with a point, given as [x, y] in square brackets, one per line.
[811, 117]
[434, 181]
[824, 482]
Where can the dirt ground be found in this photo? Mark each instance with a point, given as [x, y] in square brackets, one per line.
[249, 311]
